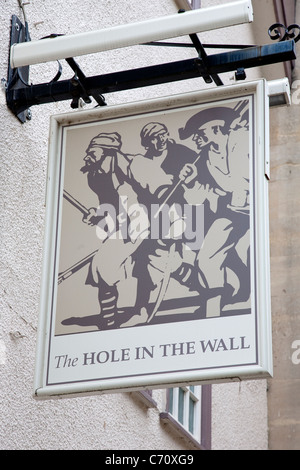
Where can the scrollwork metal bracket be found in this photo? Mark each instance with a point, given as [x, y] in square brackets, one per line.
[280, 32]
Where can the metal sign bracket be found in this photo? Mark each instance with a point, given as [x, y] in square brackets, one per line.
[21, 95]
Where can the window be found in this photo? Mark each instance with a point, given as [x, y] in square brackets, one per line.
[188, 410]
[184, 406]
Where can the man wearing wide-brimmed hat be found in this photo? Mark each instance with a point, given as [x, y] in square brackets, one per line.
[221, 177]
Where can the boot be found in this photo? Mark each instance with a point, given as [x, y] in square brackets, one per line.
[108, 304]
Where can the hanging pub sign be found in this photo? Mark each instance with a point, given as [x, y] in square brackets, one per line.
[156, 263]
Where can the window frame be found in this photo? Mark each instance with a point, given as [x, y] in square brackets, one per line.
[202, 438]
[145, 396]
[180, 407]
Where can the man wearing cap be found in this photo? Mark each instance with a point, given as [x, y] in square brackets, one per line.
[157, 172]
[221, 178]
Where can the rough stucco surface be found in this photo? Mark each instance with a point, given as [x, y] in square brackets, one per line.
[100, 422]
[236, 407]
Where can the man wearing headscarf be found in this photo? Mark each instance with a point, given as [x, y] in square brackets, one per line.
[158, 169]
[106, 167]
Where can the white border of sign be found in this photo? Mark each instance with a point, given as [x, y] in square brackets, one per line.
[168, 373]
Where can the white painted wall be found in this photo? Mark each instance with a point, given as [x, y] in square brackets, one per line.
[100, 422]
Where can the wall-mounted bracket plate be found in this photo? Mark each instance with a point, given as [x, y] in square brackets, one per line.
[18, 78]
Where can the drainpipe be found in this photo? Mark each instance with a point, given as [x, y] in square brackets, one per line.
[296, 73]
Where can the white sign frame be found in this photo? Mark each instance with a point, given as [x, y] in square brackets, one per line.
[152, 355]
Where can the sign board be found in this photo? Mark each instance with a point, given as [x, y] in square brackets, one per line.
[156, 264]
